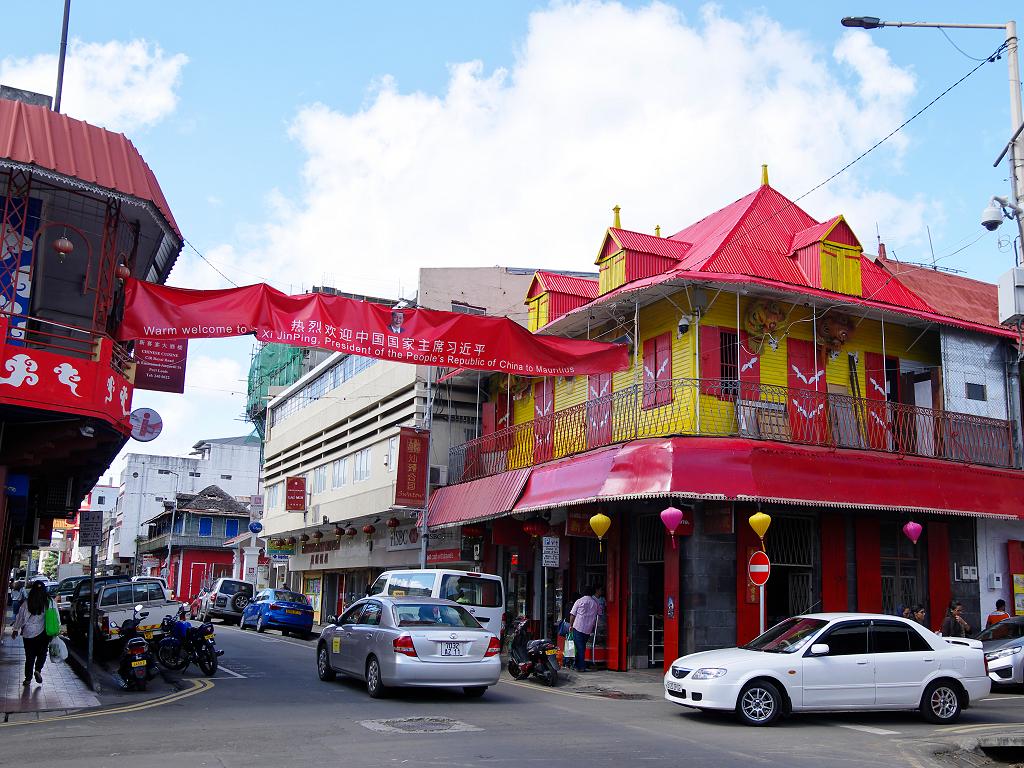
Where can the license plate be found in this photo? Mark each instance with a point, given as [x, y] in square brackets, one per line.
[451, 649]
[551, 651]
[139, 663]
[673, 686]
[148, 635]
[294, 612]
[210, 638]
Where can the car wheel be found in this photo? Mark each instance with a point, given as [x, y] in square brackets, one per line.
[474, 691]
[941, 702]
[374, 685]
[323, 664]
[260, 625]
[759, 703]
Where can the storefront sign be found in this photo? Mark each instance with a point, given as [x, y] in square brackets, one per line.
[295, 494]
[62, 524]
[550, 553]
[411, 485]
[718, 519]
[578, 524]
[160, 364]
[1018, 594]
[90, 528]
[280, 554]
[444, 556]
[417, 336]
[403, 538]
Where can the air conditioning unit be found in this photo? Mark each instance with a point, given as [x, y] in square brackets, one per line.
[438, 475]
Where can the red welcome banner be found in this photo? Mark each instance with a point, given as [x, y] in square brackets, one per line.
[416, 336]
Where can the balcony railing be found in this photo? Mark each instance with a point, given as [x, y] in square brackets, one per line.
[723, 408]
[68, 340]
[179, 540]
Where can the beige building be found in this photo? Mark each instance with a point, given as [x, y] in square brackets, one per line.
[338, 426]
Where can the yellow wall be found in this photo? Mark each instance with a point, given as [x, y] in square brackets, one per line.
[612, 272]
[840, 268]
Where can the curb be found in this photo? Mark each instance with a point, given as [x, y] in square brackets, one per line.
[78, 664]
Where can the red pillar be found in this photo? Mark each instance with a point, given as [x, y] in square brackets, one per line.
[940, 590]
[617, 594]
[747, 619]
[869, 564]
[670, 610]
[833, 562]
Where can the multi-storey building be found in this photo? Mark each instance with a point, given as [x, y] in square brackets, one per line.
[80, 211]
[777, 368]
[230, 463]
[103, 497]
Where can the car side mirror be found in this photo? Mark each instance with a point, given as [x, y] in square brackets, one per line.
[138, 607]
[332, 619]
[819, 649]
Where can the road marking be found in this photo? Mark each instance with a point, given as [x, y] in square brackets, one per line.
[197, 686]
[548, 689]
[869, 729]
[222, 668]
[979, 727]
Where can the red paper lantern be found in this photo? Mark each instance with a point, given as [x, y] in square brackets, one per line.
[317, 535]
[304, 538]
[472, 531]
[351, 531]
[393, 522]
[122, 271]
[536, 527]
[63, 247]
[369, 530]
[291, 540]
[339, 531]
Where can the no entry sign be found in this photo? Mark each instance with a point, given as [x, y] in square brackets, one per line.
[759, 568]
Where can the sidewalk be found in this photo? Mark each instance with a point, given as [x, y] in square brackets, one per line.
[61, 688]
[635, 684]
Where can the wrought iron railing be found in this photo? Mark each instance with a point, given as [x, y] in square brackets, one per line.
[61, 338]
[722, 408]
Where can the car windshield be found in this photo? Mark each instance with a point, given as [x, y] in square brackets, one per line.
[290, 597]
[234, 587]
[433, 615]
[1004, 630]
[787, 636]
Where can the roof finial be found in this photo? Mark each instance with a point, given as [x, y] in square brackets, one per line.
[764, 174]
[657, 230]
[617, 223]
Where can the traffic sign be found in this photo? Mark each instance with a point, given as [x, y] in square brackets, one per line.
[90, 528]
[759, 568]
[255, 527]
[146, 424]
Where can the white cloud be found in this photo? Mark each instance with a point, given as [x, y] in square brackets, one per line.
[119, 85]
[669, 117]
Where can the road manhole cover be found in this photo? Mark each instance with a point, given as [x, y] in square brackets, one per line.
[418, 725]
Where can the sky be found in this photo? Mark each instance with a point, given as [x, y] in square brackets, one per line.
[349, 144]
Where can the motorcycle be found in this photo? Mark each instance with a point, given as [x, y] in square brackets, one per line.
[137, 666]
[531, 657]
[184, 643]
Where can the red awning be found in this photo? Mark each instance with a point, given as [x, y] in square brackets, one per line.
[482, 499]
[574, 480]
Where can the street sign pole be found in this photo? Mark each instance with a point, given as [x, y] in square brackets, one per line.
[92, 613]
[760, 608]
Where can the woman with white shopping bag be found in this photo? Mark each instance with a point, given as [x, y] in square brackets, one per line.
[33, 617]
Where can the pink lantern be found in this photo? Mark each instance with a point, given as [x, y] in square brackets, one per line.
[912, 531]
[671, 518]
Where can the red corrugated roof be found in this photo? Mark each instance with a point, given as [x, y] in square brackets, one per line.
[570, 284]
[878, 284]
[38, 136]
[812, 234]
[657, 246]
[482, 499]
[948, 294]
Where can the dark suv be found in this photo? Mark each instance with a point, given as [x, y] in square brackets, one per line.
[226, 600]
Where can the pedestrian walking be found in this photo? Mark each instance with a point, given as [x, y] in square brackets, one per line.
[17, 596]
[31, 620]
[582, 622]
[954, 625]
[999, 614]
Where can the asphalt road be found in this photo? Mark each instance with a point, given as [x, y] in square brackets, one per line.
[266, 707]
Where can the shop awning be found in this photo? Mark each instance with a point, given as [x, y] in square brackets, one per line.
[482, 499]
[575, 480]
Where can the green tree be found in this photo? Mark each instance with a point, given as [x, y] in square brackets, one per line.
[49, 566]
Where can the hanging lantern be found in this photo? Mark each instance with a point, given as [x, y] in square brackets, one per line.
[339, 531]
[63, 247]
[759, 521]
[291, 540]
[913, 531]
[351, 531]
[317, 535]
[304, 538]
[393, 522]
[123, 272]
[536, 527]
[369, 530]
[473, 532]
[671, 517]
[599, 524]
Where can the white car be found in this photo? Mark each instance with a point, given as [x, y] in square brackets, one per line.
[834, 661]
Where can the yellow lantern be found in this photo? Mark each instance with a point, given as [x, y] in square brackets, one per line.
[600, 523]
[759, 521]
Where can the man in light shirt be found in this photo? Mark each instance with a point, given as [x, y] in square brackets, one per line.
[582, 623]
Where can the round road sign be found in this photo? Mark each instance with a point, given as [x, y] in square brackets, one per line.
[255, 527]
[146, 424]
[759, 568]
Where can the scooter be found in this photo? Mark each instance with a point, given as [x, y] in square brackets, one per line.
[184, 643]
[137, 666]
[531, 657]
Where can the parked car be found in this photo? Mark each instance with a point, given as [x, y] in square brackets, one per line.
[831, 662]
[482, 594]
[194, 606]
[411, 641]
[81, 605]
[117, 601]
[62, 596]
[279, 609]
[226, 600]
[1004, 651]
[161, 580]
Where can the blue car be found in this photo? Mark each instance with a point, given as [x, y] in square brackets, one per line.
[279, 609]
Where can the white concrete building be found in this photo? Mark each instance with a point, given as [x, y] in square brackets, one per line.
[231, 463]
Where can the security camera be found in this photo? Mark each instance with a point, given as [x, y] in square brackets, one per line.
[684, 325]
[997, 209]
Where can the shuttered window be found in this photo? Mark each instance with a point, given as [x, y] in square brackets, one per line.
[658, 370]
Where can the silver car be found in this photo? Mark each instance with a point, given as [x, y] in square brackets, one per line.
[1004, 651]
[409, 641]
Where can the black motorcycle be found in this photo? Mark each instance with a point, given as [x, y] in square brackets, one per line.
[184, 643]
[137, 666]
[531, 657]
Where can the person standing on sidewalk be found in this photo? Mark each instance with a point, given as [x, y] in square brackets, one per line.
[582, 622]
[31, 620]
[999, 614]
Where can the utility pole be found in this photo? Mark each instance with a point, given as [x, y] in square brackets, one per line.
[63, 55]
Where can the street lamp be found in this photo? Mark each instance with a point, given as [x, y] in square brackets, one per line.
[1015, 146]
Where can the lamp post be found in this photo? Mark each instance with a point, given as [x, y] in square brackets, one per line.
[1015, 146]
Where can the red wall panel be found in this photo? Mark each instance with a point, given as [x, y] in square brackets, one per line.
[673, 621]
[833, 562]
[747, 620]
[869, 565]
[617, 594]
[940, 590]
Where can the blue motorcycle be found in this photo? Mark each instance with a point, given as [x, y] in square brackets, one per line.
[184, 643]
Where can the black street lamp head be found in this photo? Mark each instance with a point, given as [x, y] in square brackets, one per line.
[863, 22]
